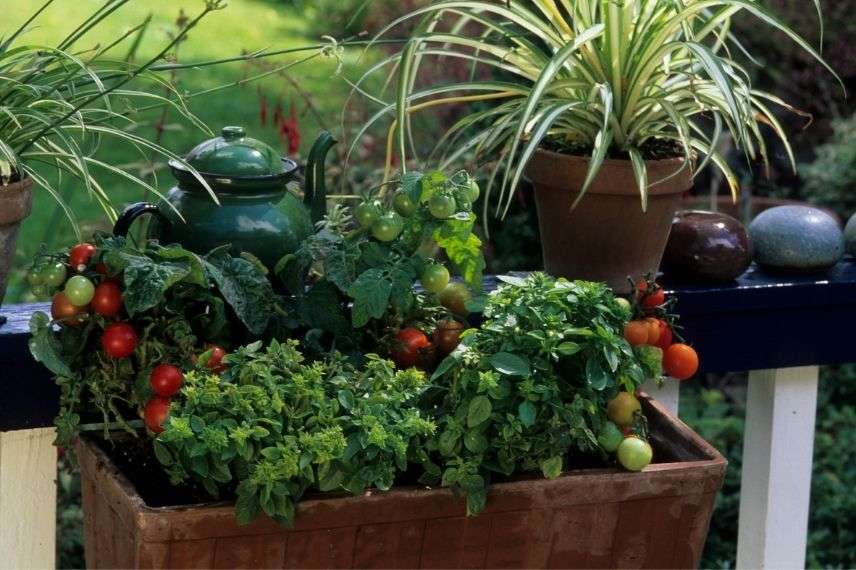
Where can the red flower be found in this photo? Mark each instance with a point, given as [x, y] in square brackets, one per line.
[289, 131]
[263, 108]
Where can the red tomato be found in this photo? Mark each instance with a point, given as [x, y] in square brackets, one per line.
[653, 331]
[215, 360]
[119, 340]
[650, 299]
[155, 413]
[79, 256]
[447, 336]
[666, 335]
[107, 301]
[166, 380]
[407, 348]
[680, 361]
[63, 310]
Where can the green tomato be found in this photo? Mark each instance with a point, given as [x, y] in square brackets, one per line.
[634, 454]
[367, 213]
[473, 189]
[610, 437]
[624, 304]
[442, 206]
[403, 204]
[40, 291]
[434, 278]
[54, 275]
[387, 227]
[35, 278]
[79, 290]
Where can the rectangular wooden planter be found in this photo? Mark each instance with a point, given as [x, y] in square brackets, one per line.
[594, 518]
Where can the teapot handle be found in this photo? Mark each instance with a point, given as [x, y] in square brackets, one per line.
[134, 211]
[315, 193]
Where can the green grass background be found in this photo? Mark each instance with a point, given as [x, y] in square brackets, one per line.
[245, 25]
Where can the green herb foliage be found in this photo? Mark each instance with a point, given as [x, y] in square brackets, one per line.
[176, 301]
[274, 426]
[531, 385]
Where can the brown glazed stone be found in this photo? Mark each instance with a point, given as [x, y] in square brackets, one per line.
[706, 246]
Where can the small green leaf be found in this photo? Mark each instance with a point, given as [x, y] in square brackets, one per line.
[346, 398]
[478, 410]
[526, 412]
[447, 364]
[596, 376]
[475, 441]
[568, 348]
[511, 364]
[552, 467]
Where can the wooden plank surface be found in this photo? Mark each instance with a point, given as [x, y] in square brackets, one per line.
[27, 499]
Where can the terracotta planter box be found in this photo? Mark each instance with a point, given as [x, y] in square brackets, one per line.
[595, 518]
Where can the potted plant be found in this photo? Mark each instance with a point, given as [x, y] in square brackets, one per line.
[601, 104]
[390, 433]
[60, 104]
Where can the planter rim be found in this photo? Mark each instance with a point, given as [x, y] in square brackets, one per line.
[16, 201]
[713, 460]
[556, 170]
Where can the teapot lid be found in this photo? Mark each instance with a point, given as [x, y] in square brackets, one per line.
[234, 159]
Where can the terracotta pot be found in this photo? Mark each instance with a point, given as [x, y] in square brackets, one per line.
[595, 518]
[16, 202]
[606, 237]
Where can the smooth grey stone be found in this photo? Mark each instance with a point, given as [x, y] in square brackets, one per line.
[796, 239]
[850, 235]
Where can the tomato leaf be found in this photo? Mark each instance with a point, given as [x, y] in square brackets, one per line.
[552, 467]
[526, 412]
[244, 287]
[370, 293]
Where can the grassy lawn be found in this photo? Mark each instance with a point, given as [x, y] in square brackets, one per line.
[244, 25]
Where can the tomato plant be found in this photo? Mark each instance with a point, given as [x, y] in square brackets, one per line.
[79, 290]
[119, 340]
[107, 299]
[634, 453]
[408, 347]
[54, 274]
[155, 413]
[434, 278]
[610, 437]
[680, 361]
[213, 359]
[79, 256]
[636, 333]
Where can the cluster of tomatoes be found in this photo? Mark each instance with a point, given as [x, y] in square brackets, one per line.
[387, 224]
[92, 291]
[413, 348]
[652, 328]
[618, 436]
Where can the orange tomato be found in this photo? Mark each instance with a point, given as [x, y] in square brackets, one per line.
[636, 333]
[680, 361]
[653, 331]
[63, 310]
[666, 335]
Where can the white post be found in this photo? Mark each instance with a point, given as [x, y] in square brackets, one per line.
[777, 459]
[668, 394]
[27, 499]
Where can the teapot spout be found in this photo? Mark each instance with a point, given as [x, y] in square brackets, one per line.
[315, 193]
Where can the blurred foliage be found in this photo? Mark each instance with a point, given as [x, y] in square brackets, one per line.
[69, 517]
[715, 408]
[831, 179]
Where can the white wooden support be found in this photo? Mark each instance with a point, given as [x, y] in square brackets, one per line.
[777, 459]
[668, 394]
[27, 499]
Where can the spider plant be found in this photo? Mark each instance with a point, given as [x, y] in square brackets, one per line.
[606, 76]
[59, 104]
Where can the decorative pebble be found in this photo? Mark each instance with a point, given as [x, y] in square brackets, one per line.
[850, 235]
[706, 246]
[796, 239]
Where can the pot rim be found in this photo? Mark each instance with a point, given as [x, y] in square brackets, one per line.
[16, 201]
[566, 173]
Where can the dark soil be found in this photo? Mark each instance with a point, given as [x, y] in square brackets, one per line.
[653, 149]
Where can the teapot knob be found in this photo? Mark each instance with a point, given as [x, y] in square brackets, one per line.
[233, 133]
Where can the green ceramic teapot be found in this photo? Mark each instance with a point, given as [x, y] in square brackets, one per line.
[256, 214]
